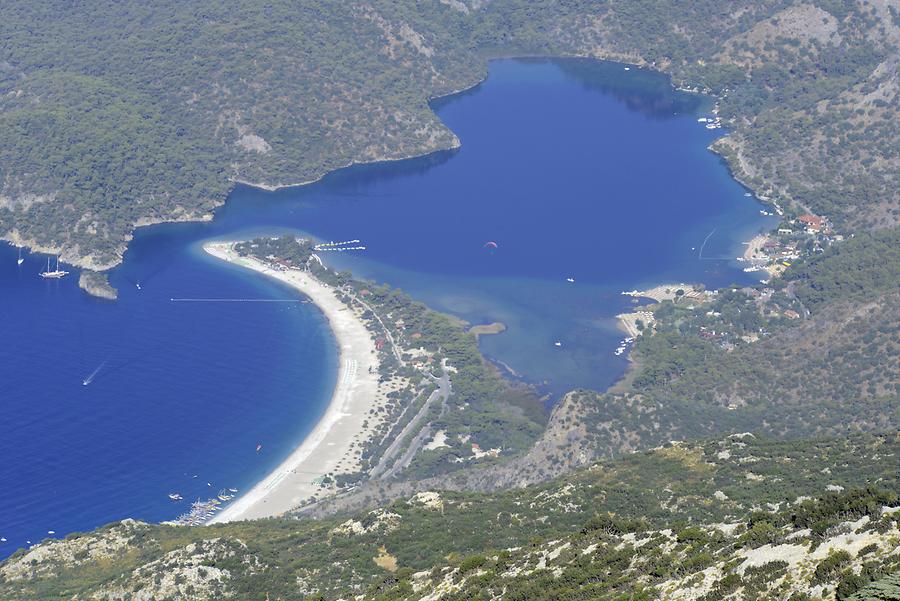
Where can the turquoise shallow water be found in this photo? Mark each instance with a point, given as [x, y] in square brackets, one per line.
[574, 168]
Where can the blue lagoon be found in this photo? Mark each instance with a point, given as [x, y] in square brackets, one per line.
[576, 170]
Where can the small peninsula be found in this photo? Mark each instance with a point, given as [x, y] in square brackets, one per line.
[390, 411]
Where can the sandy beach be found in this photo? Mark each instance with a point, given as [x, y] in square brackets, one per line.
[754, 248]
[628, 322]
[354, 395]
[664, 292]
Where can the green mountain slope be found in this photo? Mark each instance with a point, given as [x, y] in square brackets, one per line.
[120, 114]
[833, 371]
[731, 515]
[719, 364]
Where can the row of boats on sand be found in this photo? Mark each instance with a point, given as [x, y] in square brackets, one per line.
[711, 122]
[202, 511]
[623, 345]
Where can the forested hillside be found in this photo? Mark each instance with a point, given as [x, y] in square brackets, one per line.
[736, 516]
[703, 371]
[119, 114]
[724, 363]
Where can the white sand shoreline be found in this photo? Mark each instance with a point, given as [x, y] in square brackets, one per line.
[354, 395]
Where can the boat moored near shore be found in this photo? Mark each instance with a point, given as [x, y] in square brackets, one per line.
[56, 273]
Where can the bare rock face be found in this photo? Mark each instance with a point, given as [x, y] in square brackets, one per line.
[97, 284]
[254, 143]
[76, 551]
[189, 572]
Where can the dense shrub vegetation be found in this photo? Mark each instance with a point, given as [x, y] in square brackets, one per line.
[626, 529]
[115, 114]
[862, 268]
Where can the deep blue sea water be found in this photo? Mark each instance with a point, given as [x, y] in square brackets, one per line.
[573, 168]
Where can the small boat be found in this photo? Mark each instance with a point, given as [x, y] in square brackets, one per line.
[2, 540]
[557, 343]
[51, 531]
[20, 260]
[137, 285]
[570, 280]
[232, 490]
[258, 447]
[94, 373]
[175, 496]
[628, 68]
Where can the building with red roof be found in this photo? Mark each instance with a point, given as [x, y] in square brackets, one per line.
[813, 222]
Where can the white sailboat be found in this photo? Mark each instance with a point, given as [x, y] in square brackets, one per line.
[56, 273]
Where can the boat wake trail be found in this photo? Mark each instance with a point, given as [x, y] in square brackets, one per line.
[90, 378]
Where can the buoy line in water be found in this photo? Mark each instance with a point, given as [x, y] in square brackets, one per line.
[702, 246]
[705, 240]
[236, 300]
[339, 246]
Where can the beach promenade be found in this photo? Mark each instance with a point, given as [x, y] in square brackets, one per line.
[354, 395]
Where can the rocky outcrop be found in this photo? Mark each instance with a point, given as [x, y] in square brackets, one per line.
[97, 284]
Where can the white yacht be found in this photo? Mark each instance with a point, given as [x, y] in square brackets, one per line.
[56, 273]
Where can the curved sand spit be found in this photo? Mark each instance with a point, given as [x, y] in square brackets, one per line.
[354, 394]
